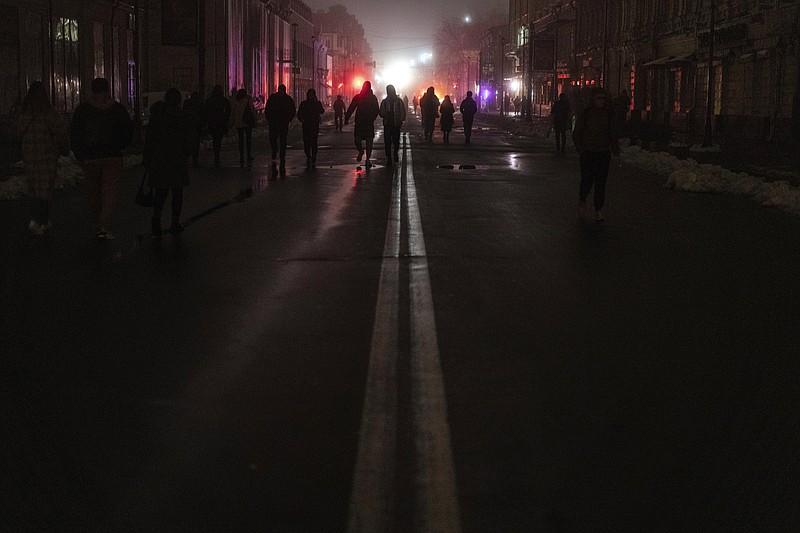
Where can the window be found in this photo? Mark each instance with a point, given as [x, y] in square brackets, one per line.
[677, 86]
[99, 63]
[66, 67]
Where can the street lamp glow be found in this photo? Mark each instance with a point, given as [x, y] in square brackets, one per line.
[467, 19]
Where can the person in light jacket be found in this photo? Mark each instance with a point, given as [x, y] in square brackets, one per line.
[393, 113]
[44, 138]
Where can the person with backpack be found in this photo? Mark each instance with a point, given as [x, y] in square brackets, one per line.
[393, 112]
[218, 115]
[44, 138]
[167, 147]
[310, 114]
[429, 108]
[244, 120]
[595, 140]
[100, 131]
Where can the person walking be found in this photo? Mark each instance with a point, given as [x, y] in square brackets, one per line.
[167, 147]
[244, 119]
[415, 103]
[507, 104]
[393, 112]
[468, 108]
[517, 105]
[44, 138]
[310, 114]
[338, 112]
[218, 114]
[429, 107]
[405, 102]
[280, 110]
[562, 122]
[595, 140]
[193, 107]
[100, 131]
[447, 110]
[365, 106]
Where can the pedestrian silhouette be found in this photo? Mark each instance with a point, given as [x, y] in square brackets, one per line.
[562, 122]
[100, 131]
[44, 138]
[468, 110]
[309, 114]
[280, 110]
[507, 104]
[415, 102]
[517, 105]
[405, 102]
[365, 106]
[338, 112]
[195, 113]
[447, 111]
[393, 111]
[429, 107]
[218, 113]
[244, 120]
[167, 147]
[595, 139]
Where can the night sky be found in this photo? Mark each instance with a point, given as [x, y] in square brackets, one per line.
[404, 29]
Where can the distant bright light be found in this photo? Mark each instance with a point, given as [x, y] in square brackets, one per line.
[515, 85]
[358, 82]
[467, 19]
[398, 74]
[425, 57]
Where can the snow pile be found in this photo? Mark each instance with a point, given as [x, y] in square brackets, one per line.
[69, 174]
[688, 175]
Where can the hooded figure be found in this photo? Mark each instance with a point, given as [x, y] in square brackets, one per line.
[365, 105]
[429, 107]
[167, 147]
[393, 112]
[280, 111]
[309, 114]
[100, 130]
[595, 139]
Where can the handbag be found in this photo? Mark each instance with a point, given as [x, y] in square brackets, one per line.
[144, 199]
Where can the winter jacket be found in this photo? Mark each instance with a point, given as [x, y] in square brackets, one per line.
[594, 131]
[309, 114]
[280, 110]
[447, 110]
[393, 112]
[561, 114]
[237, 113]
[44, 138]
[100, 128]
[167, 146]
[338, 107]
[218, 115]
[365, 106]
[468, 108]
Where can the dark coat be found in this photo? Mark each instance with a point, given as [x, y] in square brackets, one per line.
[280, 110]
[309, 114]
[218, 115]
[468, 108]
[365, 106]
[561, 115]
[447, 111]
[100, 128]
[167, 146]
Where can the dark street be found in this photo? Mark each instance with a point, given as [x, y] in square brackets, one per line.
[407, 348]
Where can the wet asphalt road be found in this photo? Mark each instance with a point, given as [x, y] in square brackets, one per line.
[634, 376]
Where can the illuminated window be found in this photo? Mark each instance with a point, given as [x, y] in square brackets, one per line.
[677, 76]
[66, 69]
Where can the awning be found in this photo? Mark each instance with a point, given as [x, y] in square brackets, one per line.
[659, 61]
[681, 60]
